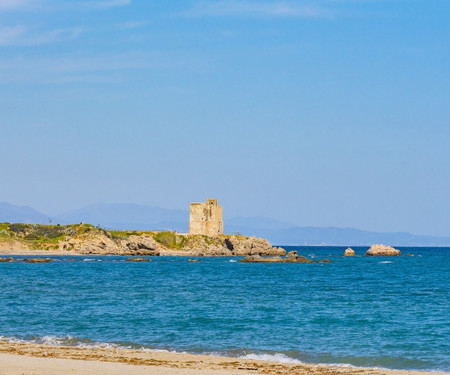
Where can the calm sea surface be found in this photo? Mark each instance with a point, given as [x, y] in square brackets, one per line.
[391, 312]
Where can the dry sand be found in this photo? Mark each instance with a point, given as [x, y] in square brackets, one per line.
[5, 251]
[34, 359]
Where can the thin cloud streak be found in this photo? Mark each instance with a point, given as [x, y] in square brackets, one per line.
[18, 5]
[257, 9]
[104, 4]
[131, 25]
[24, 36]
[95, 69]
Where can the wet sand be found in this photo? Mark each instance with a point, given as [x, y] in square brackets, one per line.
[35, 359]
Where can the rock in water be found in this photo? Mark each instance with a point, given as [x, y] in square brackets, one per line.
[38, 260]
[292, 257]
[138, 260]
[381, 250]
[6, 260]
[349, 252]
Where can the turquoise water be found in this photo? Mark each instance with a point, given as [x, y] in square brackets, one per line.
[390, 312]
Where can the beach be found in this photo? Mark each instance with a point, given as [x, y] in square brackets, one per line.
[33, 359]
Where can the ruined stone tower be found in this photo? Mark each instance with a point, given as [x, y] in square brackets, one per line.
[206, 218]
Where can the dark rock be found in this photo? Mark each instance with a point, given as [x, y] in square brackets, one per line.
[6, 260]
[38, 260]
[292, 258]
[138, 260]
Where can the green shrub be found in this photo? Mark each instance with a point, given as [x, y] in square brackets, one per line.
[168, 239]
[19, 228]
[49, 231]
[31, 237]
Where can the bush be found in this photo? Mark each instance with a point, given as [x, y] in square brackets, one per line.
[49, 232]
[19, 228]
[31, 237]
[168, 239]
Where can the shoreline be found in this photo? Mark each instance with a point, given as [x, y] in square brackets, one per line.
[28, 358]
[6, 253]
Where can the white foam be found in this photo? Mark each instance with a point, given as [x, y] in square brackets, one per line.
[277, 357]
[10, 339]
[88, 260]
[232, 261]
[385, 262]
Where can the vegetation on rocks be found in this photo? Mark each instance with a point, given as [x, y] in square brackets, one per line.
[171, 240]
[87, 239]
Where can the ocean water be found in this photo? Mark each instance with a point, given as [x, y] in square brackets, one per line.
[390, 312]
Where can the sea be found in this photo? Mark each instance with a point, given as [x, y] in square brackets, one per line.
[384, 312]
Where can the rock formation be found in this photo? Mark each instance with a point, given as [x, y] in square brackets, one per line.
[291, 257]
[223, 246]
[382, 250]
[349, 252]
[89, 240]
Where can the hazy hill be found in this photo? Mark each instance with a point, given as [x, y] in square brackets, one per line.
[128, 216]
[257, 223]
[340, 236]
[133, 216]
[21, 214]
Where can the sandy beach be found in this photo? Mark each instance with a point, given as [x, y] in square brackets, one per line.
[35, 359]
[19, 250]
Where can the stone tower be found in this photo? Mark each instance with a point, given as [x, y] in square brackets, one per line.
[206, 218]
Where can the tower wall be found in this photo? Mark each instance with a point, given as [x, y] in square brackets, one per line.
[206, 218]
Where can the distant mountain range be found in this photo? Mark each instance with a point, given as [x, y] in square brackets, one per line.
[133, 216]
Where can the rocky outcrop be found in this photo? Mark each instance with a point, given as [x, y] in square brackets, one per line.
[241, 246]
[101, 244]
[349, 252]
[198, 245]
[98, 244]
[292, 257]
[6, 260]
[140, 245]
[382, 250]
[86, 239]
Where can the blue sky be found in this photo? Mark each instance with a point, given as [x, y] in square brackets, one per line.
[319, 112]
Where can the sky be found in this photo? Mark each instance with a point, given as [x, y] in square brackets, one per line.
[315, 112]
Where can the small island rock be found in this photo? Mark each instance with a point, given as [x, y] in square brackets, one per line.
[349, 252]
[382, 250]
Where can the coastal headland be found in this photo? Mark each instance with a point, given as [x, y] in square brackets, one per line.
[86, 239]
[18, 358]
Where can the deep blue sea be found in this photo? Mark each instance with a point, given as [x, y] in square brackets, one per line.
[390, 312]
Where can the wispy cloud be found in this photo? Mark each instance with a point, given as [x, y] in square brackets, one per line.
[22, 35]
[131, 25]
[101, 4]
[8, 5]
[112, 68]
[257, 9]
[58, 5]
